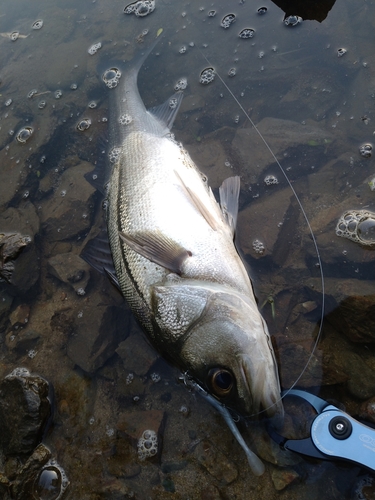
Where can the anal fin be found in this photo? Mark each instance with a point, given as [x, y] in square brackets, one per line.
[158, 248]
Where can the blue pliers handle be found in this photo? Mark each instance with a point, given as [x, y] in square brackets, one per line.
[333, 434]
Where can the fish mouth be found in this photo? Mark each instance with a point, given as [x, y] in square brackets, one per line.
[262, 387]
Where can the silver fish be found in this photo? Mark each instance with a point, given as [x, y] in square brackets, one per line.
[175, 259]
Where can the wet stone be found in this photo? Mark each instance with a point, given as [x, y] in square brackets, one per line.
[19, 256]
[334, 350]
[67, 213]
[210, 493]
[215, 463]
[345, 362]
[121, 462]
[6, 301]
[11, 246]
[98, 330]
[367, 410]
[282, 134]
[137, 354]
[70, 269]
[361, 383]
[26, 475]
[281, 478]
[20, 316]
[130, 386]
[169, 467]
[24, 411]
[40, 478]
[364, 489]
[145, 429]
[268, 450]
[23, 340]
[355, 318]
[292, 360]
[264, 220]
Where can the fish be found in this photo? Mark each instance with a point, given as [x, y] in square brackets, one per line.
[175, 259]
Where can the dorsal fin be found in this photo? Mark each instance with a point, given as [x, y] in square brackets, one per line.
[212, 218]
[167, 112]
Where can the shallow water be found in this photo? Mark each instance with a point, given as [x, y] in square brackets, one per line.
[314, 105]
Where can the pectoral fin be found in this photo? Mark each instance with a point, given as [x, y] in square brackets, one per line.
[97, 253]
[159, 249]
[229, 193]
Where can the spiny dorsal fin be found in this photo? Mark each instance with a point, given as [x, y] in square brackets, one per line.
[229, 193]
[158, 248]
[206, 212]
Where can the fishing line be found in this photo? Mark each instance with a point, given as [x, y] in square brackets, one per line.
[308, 225]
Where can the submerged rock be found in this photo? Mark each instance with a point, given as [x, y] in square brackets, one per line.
[137, 354]
[11, 246]
[6, 301]
[68, 212]
[70, 269]
[272, 221]
[24, 411]
[145, 429]
[367, 410]
[282, 134]
[39, 478]
[19, 263]
[281, 478]
[355, 318]
[98, 329]
[215, 462]
[22, 486]
[20, 316]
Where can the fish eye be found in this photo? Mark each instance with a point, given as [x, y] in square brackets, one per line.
[221, 381]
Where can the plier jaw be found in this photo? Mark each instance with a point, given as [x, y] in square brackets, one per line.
[334, 435]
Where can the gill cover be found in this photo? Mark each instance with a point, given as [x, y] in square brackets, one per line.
[219, 336]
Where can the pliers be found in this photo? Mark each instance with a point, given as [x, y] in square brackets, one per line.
[333, 434]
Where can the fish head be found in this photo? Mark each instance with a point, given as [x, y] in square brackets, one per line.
[225, 346]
